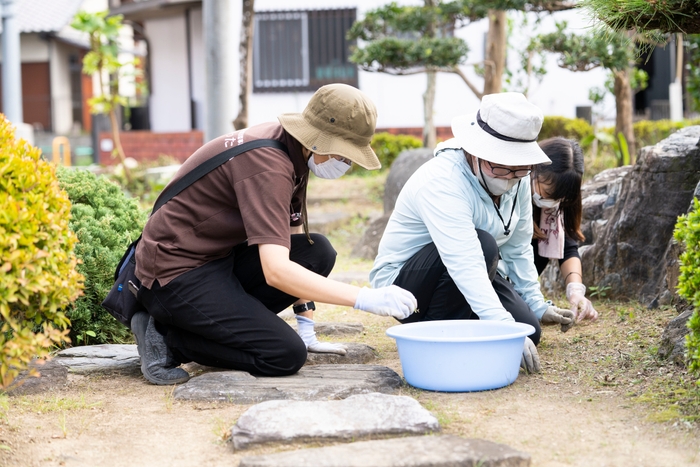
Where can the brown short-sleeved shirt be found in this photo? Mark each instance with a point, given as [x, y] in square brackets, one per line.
[254, 197]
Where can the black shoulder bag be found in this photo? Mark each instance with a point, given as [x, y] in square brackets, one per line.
[123, 305]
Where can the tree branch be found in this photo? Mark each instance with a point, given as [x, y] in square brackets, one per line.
[456, 70]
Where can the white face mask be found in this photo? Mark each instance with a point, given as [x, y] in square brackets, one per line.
[544, 203]
[332, 168]
[495, 186]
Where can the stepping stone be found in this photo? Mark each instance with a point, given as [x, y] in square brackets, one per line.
[51, 375]
[326, 222]
[123, 358]
[328, 328]
[357, 354]
[359, 416]
[351, 277]
[339, 329]
[414, 451]
[311, 383]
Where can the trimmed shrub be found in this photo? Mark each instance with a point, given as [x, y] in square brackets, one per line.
[388, 146]
[687, 231]
[650, 132]
[106, 222]
[38, 276]
[571, 128]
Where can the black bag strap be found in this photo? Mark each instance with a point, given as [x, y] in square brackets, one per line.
[210, 164]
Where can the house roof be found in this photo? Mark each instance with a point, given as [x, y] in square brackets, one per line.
[45, 16]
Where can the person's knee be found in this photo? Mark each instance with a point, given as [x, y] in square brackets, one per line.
[490, 249]
[292, 358]
[324, 254]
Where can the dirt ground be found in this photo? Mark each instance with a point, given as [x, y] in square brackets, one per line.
[601, 400]
[572, 414]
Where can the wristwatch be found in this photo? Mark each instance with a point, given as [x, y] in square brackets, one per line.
[308, 306]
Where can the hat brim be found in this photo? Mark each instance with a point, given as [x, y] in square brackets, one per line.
[473, 139]
[322, 143]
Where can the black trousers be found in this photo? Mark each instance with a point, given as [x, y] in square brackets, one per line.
[224, 314]
[438, 296]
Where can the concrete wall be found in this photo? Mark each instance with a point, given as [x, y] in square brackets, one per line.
[61, 98]
[169, 101]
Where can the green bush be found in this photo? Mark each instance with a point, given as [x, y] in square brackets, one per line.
[571, 128]
[105, 221]
[650, 132]
[388, 147]
[38, 275]
[687, 231]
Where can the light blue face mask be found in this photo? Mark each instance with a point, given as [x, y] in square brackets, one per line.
[330, 169]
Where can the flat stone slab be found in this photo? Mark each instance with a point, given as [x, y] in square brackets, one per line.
[357, 354]
[123, 358]
[359, 416]
[414, 451]
[326, 222]
[338, 329]
[327, 328]
[319, 382]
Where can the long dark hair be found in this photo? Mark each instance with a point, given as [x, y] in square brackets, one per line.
[564, 174]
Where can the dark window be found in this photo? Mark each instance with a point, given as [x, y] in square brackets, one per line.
[302, 50]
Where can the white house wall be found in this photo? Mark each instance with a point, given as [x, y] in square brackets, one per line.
[198, 67]
[61, 99]
[170, 97]
[399, 98]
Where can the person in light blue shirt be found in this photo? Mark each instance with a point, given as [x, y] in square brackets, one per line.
[459, 236]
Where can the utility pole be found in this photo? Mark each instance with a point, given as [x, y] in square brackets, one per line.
[222, 23]
[11, 64]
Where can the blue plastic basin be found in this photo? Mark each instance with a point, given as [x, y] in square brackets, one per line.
[460, 355]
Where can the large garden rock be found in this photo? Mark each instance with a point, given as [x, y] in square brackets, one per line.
[414, 451]
[673, 338]
[311, 383]
[357, 417]
[50, 375]
[636, 223]
[401, 170]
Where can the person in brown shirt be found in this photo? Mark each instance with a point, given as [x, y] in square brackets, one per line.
[223, 257]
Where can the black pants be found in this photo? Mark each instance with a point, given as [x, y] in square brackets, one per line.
[224, 314]
[439, 298]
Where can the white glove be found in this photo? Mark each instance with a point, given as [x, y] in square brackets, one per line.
[531, 359]
[555, 315]
[308, 335]
[387, 301]
[580, 305]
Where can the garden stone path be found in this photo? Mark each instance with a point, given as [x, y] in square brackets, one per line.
[51, 375]
[357, 354]
[359, 416]
[311, 383]
[414, 451]
[123, 358]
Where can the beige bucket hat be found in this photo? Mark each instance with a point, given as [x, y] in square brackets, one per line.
[503, 131]
[339, 119]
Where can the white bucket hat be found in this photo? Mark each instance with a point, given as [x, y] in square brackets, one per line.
[503, 131]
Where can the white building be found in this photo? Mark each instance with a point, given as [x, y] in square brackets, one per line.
[286, 72]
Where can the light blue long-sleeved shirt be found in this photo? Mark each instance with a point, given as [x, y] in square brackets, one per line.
[443, 202]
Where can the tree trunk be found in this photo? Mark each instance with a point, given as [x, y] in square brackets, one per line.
[429, 132]
[495, 60]
[623, 107]
[245, 51]
[118, 143]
